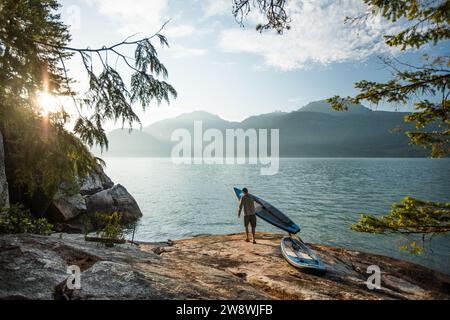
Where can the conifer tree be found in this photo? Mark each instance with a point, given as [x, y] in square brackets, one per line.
[45, 149]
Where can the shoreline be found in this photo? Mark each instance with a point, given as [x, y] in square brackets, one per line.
[204, 267]
[281, 234]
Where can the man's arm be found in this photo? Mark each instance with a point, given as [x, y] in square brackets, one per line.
[259, 202]
[241, 203]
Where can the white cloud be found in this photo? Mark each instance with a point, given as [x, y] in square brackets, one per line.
[180, 51]
[136, 16]
[216, 7]
[143, 16]
[146, 17]
[318, 35]
[182, 30]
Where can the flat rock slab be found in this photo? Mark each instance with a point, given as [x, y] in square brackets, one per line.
[262, 267]
[206, 267]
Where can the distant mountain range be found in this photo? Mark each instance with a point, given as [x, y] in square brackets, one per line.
[314, 130]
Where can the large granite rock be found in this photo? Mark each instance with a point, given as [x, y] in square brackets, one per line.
[4, 195]
[95, 182]
[66, 206]
[113, 199]
[77, 212]
[207, 267]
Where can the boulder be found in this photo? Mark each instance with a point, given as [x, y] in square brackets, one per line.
[95, 182]
[75, 213]
[112, 280]
[68, 208]
[4, 195]
[29, 272]
[113, 199]
[65, 206]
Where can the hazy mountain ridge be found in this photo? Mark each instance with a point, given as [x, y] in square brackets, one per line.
[324, 107]
[314, 130]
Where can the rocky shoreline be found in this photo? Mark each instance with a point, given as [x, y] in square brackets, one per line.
[74, 211]
[205, 267]
[77, 212]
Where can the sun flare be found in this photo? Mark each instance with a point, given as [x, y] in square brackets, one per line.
[47, 102]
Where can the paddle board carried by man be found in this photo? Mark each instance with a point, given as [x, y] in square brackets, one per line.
[247, 203]
[294, 250]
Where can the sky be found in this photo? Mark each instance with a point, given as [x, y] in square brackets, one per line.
[235, 72]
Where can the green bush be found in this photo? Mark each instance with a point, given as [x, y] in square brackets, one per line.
[113, 229]
[18, 219]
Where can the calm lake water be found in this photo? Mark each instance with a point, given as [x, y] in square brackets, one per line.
[323, 196]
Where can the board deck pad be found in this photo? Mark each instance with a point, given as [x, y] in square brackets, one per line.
[297, 253]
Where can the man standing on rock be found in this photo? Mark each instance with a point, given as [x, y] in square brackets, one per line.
[247, 203]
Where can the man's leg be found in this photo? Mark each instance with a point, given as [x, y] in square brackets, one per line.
[252, 221]
[246, 221]
[253, 228]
